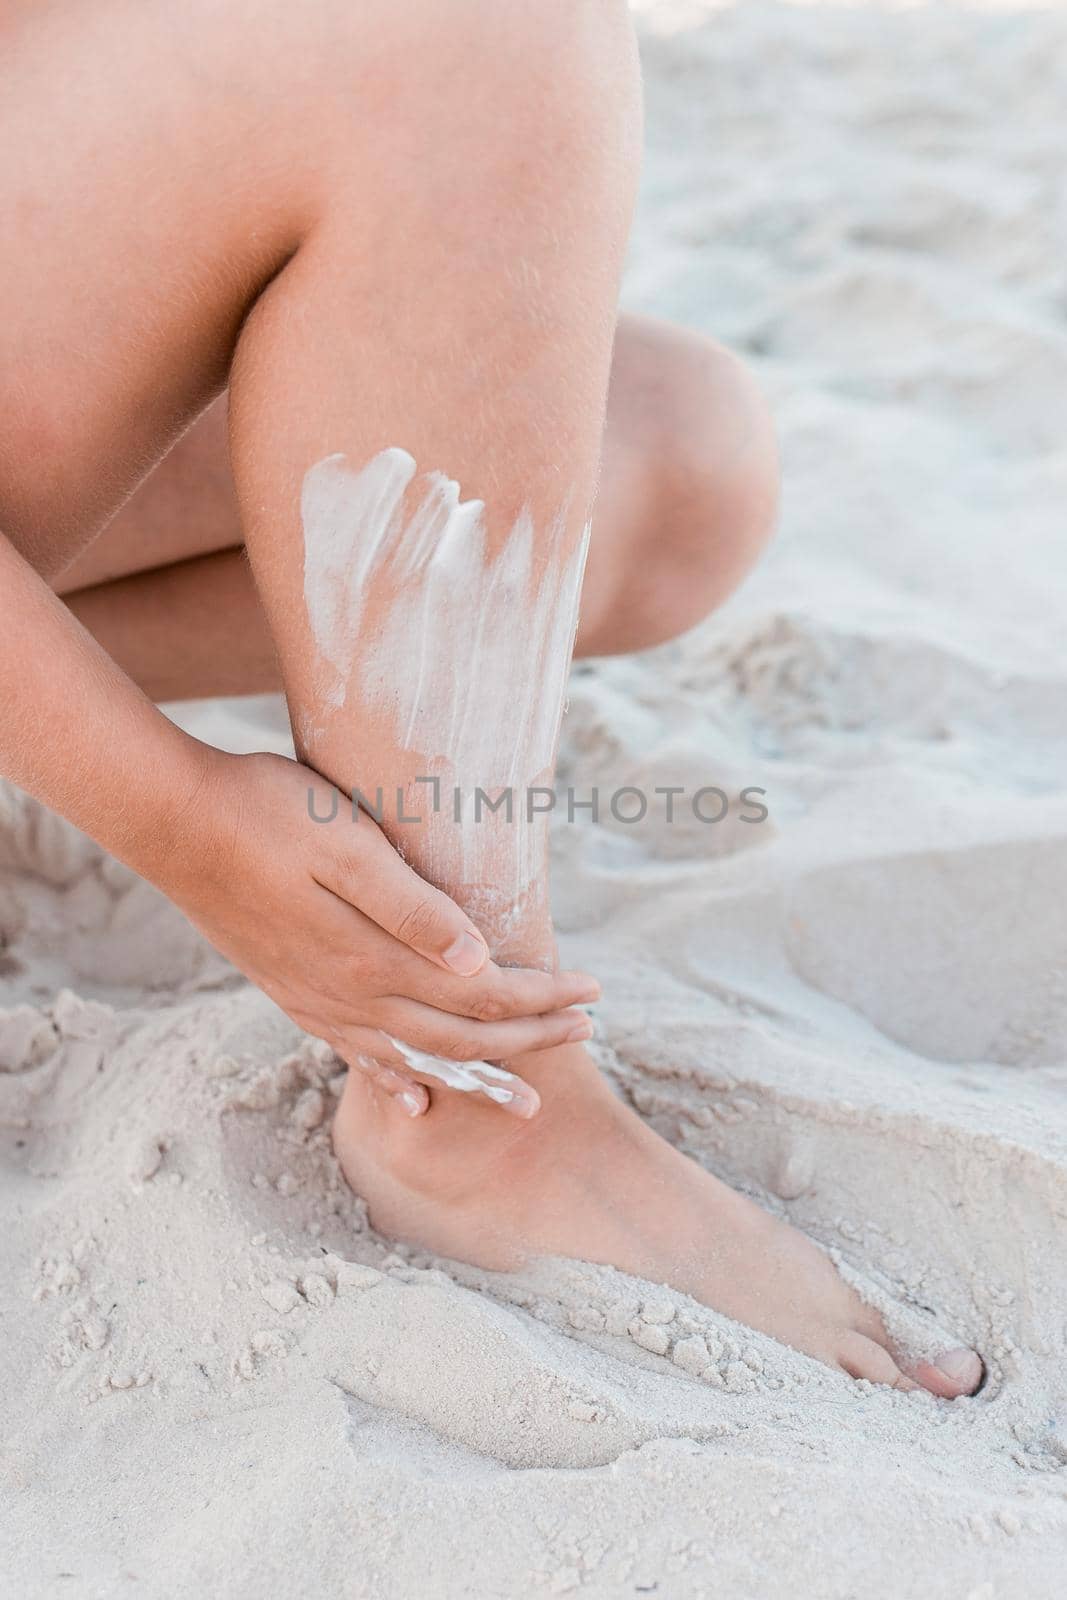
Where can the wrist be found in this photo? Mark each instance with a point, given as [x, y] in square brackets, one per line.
[164, 828]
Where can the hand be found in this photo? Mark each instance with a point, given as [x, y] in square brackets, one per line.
[328, 920]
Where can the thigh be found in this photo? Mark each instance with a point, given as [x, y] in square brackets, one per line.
[186, 507]
[162, 163]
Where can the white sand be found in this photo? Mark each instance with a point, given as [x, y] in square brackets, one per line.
[857, 1011]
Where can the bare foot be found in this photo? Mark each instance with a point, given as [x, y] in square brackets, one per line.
[588, 1179]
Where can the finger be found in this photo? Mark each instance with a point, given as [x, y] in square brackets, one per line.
[370, 874]
[400, 1085]
[459, 1039]
[499, 993]
[505, 1089]
[386, 1059]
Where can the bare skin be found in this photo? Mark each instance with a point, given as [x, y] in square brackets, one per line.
[686, 503]
[289, 254]
[551, 1187]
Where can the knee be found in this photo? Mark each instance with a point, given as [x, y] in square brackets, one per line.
[714, 473]
[516, 91]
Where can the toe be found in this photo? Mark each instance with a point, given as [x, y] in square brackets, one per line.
[865, 1320]
[863, 1358]
[957, 1372]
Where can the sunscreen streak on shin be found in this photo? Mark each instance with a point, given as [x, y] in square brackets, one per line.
[466, 662]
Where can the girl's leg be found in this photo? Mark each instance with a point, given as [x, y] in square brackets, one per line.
[415, 483]
[406, 238]
[685, 504]
[433, 639]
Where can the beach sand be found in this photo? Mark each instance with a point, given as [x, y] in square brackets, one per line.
[217, 1380]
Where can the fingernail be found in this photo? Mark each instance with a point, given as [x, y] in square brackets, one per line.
[411, 1103]
[589, 988]
[581, 1030]
[525, 1104]
[961, 1366]
[466, 955]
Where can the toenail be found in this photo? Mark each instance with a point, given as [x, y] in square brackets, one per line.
[961, 1366]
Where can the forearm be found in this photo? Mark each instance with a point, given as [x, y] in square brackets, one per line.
[77, 734]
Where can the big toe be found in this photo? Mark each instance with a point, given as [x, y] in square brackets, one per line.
[957, 1372]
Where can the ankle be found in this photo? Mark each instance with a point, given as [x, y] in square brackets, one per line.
[464, 1144]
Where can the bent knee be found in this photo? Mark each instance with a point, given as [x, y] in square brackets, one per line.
[718, 472]
[475, 83]
[692, 478]
[713, 466]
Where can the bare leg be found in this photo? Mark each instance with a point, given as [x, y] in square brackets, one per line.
[586, 1177]
[434, 270]
[685, 503]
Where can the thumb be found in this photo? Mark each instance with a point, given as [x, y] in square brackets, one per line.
[372, 876]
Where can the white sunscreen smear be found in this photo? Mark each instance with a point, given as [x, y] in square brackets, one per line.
[473, 1077]
[464, 658]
